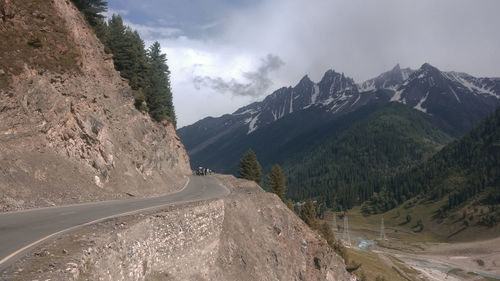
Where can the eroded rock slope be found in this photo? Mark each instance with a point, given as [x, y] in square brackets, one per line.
[68, 129]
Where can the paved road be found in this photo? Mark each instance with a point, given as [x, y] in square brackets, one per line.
[21, 231]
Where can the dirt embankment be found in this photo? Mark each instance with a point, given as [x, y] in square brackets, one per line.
[248, 235]
[68, 129]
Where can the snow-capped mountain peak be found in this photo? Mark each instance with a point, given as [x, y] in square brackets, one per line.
[449, 96]
[391, 79]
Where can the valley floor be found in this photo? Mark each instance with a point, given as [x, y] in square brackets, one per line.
[398, 258]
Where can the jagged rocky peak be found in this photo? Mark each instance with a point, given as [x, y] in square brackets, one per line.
[305, 81]
[334, 84]
[387, 80]
[427, 70]
[396, 74]
[429, 67]
[333, 76]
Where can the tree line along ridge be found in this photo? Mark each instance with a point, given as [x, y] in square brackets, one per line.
[146, 69]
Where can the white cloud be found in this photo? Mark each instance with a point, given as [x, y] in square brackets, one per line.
[188, 58]
[255, 85]
[110, 12]
[151, 32]
[358, 37]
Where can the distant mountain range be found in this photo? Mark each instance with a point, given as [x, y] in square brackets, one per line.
[292, 118]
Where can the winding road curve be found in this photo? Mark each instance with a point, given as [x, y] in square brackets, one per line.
[22, 231]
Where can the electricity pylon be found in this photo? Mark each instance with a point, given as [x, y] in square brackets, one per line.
[346, 231]
[334, 226]
[382, 231]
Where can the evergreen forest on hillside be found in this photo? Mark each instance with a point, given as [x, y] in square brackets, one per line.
[467, 169]
[145, 69]
[346, 169]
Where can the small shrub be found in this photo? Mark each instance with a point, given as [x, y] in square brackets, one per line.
[408, 218]
[352, 266]
[480, 262]
[35, 41]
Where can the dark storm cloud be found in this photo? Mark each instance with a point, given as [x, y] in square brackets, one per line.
[258, 82]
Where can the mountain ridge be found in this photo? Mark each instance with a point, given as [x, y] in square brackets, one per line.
[340, 94]
[453, 101]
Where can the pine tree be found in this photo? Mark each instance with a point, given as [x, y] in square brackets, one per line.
[119, 46]
[92, 9]
[250, 168]
[147, 71]
[290, 205]
[308, 214]
[276, 181]
[328, 234]
[159, 94]
[129, 52]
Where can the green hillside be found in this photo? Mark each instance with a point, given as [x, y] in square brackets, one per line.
[345, 169]
[465, 174]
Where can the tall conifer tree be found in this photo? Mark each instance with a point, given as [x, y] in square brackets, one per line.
[92, 9]
[308, 214]
[250, 168]
[159, 94]
[276, 181]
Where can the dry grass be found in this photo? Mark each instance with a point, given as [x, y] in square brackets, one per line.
[373, 266]
[33, 36]
[436, 230]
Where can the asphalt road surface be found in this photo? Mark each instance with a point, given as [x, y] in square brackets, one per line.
[22, 231]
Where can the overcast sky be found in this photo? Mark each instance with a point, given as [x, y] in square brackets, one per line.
[225, 54]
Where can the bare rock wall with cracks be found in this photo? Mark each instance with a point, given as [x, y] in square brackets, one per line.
[68, 129]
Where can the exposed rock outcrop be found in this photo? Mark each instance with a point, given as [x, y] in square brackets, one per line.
[68, 129]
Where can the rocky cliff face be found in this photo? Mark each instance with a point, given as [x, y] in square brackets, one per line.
[68, 128]
[248, 235]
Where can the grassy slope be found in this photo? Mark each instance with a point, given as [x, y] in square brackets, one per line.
[459, 168]
[375, 265]
[447, 230]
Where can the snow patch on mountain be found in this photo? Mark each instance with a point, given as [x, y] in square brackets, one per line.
[367, 86]
[406, 74]
[315, 94]
[252, 126]
[455, 94]
[274, 115]
[250, 111]
[477, 89]
[397, 95]
[419, 104]
[339, 105]
[356, 101]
